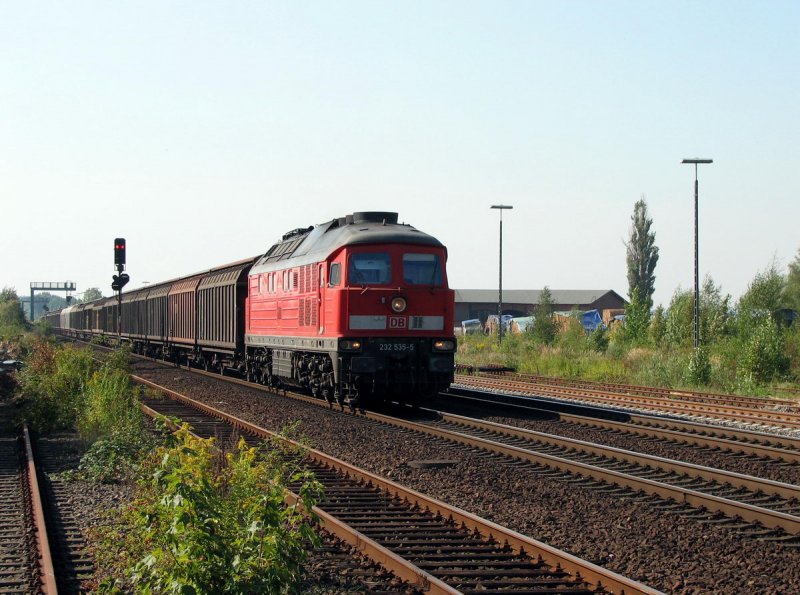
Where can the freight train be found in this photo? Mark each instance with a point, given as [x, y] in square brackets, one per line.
[355, 310]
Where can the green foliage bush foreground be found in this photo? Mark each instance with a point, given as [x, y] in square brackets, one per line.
[202, 521]
[207, 522]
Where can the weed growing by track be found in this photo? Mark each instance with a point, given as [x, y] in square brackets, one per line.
[205, 521]
[64, 388]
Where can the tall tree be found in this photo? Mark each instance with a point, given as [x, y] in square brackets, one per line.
[91, 294]
[642, 254]
[12, 318]
[637, 318]
[791, 291]
[764, 295]
[544, 327]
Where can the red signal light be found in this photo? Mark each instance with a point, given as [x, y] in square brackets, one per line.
[119, 251]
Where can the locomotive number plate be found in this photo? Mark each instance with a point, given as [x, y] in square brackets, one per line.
[396, 347]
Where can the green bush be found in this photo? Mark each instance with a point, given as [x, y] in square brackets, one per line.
[52, 382]
[764, 358]
[699, 368]
[12, 318]
[116, 456]
[598, 339]
[108, 404]
[204, 522]
[65, 388]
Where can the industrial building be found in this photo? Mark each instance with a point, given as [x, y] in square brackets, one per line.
[480, 303]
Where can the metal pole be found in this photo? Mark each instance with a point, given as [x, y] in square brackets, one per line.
[500, 283]
[696, 267]
[696, 161]
[500, 288]
[119, 309]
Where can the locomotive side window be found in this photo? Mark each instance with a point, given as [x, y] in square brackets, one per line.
[336, 274]
[371, 268]
[422, 269]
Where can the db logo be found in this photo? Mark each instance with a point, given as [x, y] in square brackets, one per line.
[397, 322]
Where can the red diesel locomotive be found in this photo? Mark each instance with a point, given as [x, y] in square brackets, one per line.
[354, 310]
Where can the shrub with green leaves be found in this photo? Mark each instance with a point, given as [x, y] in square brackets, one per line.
[207, 522]
[109, 403]
[699, 368]
[53, 382]
[12, 318]
[764, 358]
[65, 388]
[116, 456]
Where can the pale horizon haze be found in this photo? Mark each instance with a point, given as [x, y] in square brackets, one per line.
[202, 131]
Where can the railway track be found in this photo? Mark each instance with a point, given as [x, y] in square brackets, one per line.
[769, 509]
[753, 507]
[755, 418]
[25, 562]
[632, 389]
[772, 504]
[435, 546]
[649, 536]
[73, 562]
[778, 449]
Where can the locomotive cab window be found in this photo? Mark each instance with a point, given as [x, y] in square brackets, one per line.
[369, 268]
[336, 274]
[422, 269]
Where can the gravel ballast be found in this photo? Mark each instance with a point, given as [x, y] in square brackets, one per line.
[665, 551]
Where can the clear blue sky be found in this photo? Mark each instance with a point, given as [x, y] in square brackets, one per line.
[201, 131]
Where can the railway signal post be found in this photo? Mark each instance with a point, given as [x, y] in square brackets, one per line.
[119, 280]
[500, 286]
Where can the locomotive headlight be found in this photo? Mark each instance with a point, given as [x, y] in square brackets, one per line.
[399, 304]
[349, 345]
[444, 345]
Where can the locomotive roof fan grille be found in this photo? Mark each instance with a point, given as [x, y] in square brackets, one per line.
[384, 217]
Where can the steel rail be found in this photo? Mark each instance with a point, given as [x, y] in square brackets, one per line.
[48, 574]
[757, 484]
[591, 573]
[752, 416]
[399, 566]
[769, 518]
[732, 508]
[746, 441]
[628, 389]
[765, 516]
[760, 444]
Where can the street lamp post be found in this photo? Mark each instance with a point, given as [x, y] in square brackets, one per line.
[696, 161]
[500, 285]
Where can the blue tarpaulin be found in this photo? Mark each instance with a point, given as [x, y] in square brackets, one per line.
[591, 319]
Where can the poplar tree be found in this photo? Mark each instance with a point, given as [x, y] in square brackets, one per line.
[642, 255]
[544, 327]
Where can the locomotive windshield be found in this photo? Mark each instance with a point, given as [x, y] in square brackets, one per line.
[370, 268]
[422, 269]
